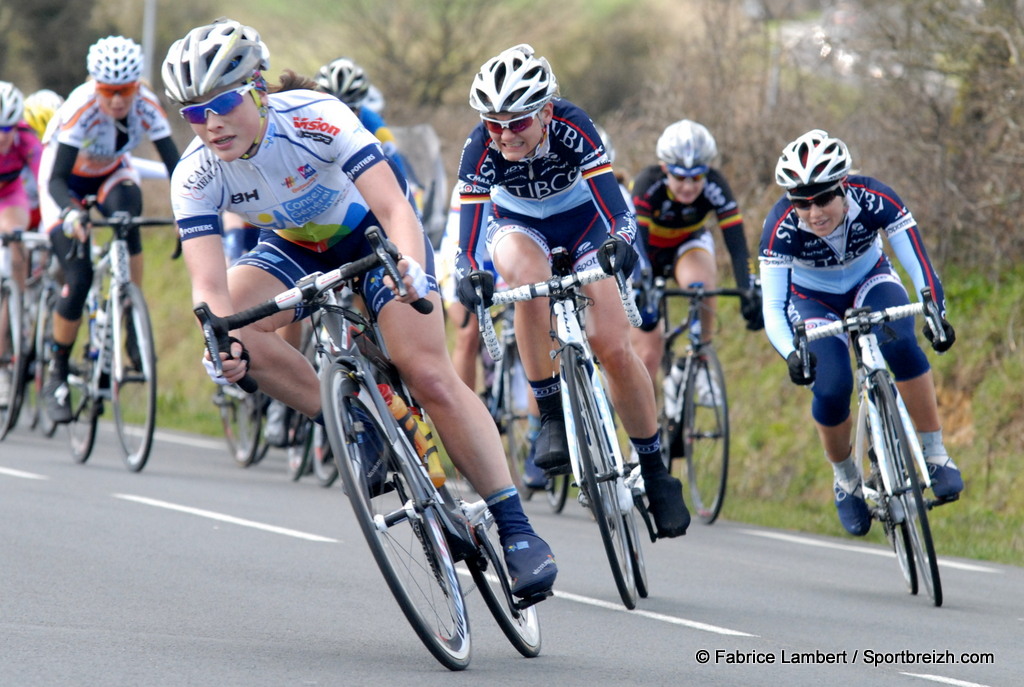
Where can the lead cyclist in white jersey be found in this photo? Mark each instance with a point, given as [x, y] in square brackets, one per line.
[300, 166]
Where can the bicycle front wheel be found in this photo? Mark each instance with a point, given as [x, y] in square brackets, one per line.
[909, 490]
[601, 480]
[705, 434]
[44, 338]
[405, 534]
[86, 408]
[241, 416]
[12, 355]
[133, 376]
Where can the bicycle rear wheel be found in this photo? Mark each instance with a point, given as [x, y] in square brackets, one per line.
[705, 434]
[324, 468]
[910, 494]
[600, 477]
[557, 489]
[133, 376]
[520, 626]
[12, 355]
[404, 533]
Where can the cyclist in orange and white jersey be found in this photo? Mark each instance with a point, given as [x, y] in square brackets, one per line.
[87, 154]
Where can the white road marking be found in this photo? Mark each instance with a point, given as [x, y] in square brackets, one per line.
[794, 539]
[945, 680]
[226, 518]
[23, 475]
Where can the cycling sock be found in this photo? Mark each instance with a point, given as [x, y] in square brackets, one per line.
[847, 474]
[507, 510]
[549, 397]
[318, 418]
[61, 354]
[649, 452]
[932, 447]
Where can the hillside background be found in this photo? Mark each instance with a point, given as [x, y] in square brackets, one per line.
[927, 93]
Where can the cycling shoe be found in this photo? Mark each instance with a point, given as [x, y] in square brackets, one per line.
[531, 565]
[552, 447]
[853, 510]
[666, 504]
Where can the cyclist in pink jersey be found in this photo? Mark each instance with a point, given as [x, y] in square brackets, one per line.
[19, 149]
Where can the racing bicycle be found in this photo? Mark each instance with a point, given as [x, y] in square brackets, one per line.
[885, 438]
[609, 486]
[695, 408]
[418, 532]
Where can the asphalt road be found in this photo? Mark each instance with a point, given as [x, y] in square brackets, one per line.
[197, 572]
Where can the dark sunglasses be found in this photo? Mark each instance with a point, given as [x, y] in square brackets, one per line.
[683, 177]
[516, 126]
[5, 129]
[821, 200]
[219, 105]
[108, 90]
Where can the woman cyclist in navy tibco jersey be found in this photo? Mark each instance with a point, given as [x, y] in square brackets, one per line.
[821, 253]
[297, 164]
[87, 153]
[674, 200]
[539, 160]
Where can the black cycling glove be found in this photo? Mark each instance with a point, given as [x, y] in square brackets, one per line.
[467, 289]
[796, 368]
[750, 308]
[619, 251]
[940, 346]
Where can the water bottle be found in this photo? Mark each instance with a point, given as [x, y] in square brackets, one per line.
[418, 432]
[670, 389]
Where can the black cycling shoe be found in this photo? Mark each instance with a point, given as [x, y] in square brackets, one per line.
[551, 452]
[665, 499]
[531, 565]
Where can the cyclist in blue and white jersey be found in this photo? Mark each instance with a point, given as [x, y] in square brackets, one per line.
[539, 161]
[299, 165]
[821, 253]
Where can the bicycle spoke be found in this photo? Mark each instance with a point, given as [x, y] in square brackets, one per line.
[133, 377]
[705, 434]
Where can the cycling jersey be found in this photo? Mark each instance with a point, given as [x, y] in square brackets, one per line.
[101, 146]
[23, 155]
[555, 189]
[665, 223]
[795, 260]
[299, 184]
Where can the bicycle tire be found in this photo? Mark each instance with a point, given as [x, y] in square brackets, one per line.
[557, 489]
[133, 378]
[13, 360]
[520, 626]
[44, 338]
[705, 434]
[895, 527]
[324, 468]
[911, 495]
[86, 408]
[599, 472]
[241, 416]
[408, 543]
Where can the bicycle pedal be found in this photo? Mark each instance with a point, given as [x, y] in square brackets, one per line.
[533, 599]
[932, 503]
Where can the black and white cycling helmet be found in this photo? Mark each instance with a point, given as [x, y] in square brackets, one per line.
[224, 53]
[812, 159]
[345, 80]
[514, 81]
[115, 60]
[12, 104]
[687, 148]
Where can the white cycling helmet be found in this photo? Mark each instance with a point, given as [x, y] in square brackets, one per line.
[812, 159]
[606, 141]
[514, 81]
[44, 97]
[220, 54]
[12, 104]
[345, 80]
[687, 148]
[115, 60]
